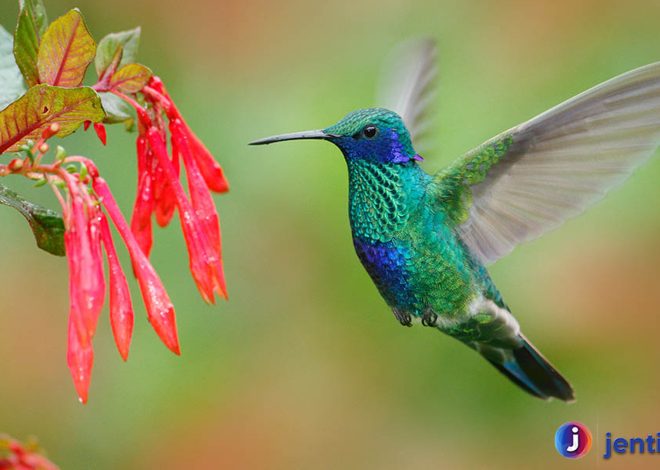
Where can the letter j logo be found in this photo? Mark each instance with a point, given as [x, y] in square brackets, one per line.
[573, 440]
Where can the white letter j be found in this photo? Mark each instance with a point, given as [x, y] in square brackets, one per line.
[576, 443]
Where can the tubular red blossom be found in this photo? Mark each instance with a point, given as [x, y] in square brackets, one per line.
[166, 200]
[210, 168]
[143, 116]
[144, 198]
[95, 216]
[16, 456]
[80, 359]
[157, 84]
[121, 308]
[199, 219]
[212, 171]
[203, 260]
[159, 307]
[86, 278]
[99, 128]
[75, 315]
[202, 203]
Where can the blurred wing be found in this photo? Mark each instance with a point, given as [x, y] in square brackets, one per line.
[530, 179]
[407, 85]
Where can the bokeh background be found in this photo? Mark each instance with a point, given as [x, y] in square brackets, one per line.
[305, 367]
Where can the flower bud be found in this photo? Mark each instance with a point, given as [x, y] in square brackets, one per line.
[15, 165]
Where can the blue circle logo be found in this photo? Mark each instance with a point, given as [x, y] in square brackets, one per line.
[573, 440]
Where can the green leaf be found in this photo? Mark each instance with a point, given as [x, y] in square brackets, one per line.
[11, 82]
[125, 41]
[130, 78]
[65, 51]
[116, 110]
[43, 105]
[32, 22]
[47, 225]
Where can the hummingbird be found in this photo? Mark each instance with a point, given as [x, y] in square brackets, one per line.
[426, 239]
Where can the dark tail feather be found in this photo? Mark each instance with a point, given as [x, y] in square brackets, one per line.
[528, 369]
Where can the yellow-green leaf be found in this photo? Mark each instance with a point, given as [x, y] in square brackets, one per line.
[130, 78]
[65, 51]
[32, 22]
[43, 105]
[124, 42]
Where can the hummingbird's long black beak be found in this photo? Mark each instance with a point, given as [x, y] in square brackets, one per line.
[317, 134]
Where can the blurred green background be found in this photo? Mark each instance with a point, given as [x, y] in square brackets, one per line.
[306, 367]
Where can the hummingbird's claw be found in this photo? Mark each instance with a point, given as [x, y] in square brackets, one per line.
[429, 318]
[402, 316]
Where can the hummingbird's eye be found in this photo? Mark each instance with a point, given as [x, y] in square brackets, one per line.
[370, 131]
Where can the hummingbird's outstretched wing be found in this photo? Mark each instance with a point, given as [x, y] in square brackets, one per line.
[530, 179]
[407, 86]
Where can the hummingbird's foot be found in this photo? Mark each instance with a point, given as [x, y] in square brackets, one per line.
[403, 317]
[429, 318]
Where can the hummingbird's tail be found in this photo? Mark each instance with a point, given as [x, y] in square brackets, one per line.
[527, 368]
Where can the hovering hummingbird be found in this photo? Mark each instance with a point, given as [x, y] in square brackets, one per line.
[425, 239]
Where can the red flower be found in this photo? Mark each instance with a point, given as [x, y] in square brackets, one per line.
[159, 307]
[88, 205]
[86, 231]
[81, 239]
[79, 358]
[160, 191]
[16, 456]
[144, 205]
[121, 307]
[86, 199]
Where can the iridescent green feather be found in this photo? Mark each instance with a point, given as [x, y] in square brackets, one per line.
[451, 186]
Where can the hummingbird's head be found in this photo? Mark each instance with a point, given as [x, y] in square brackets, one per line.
[374, 134]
